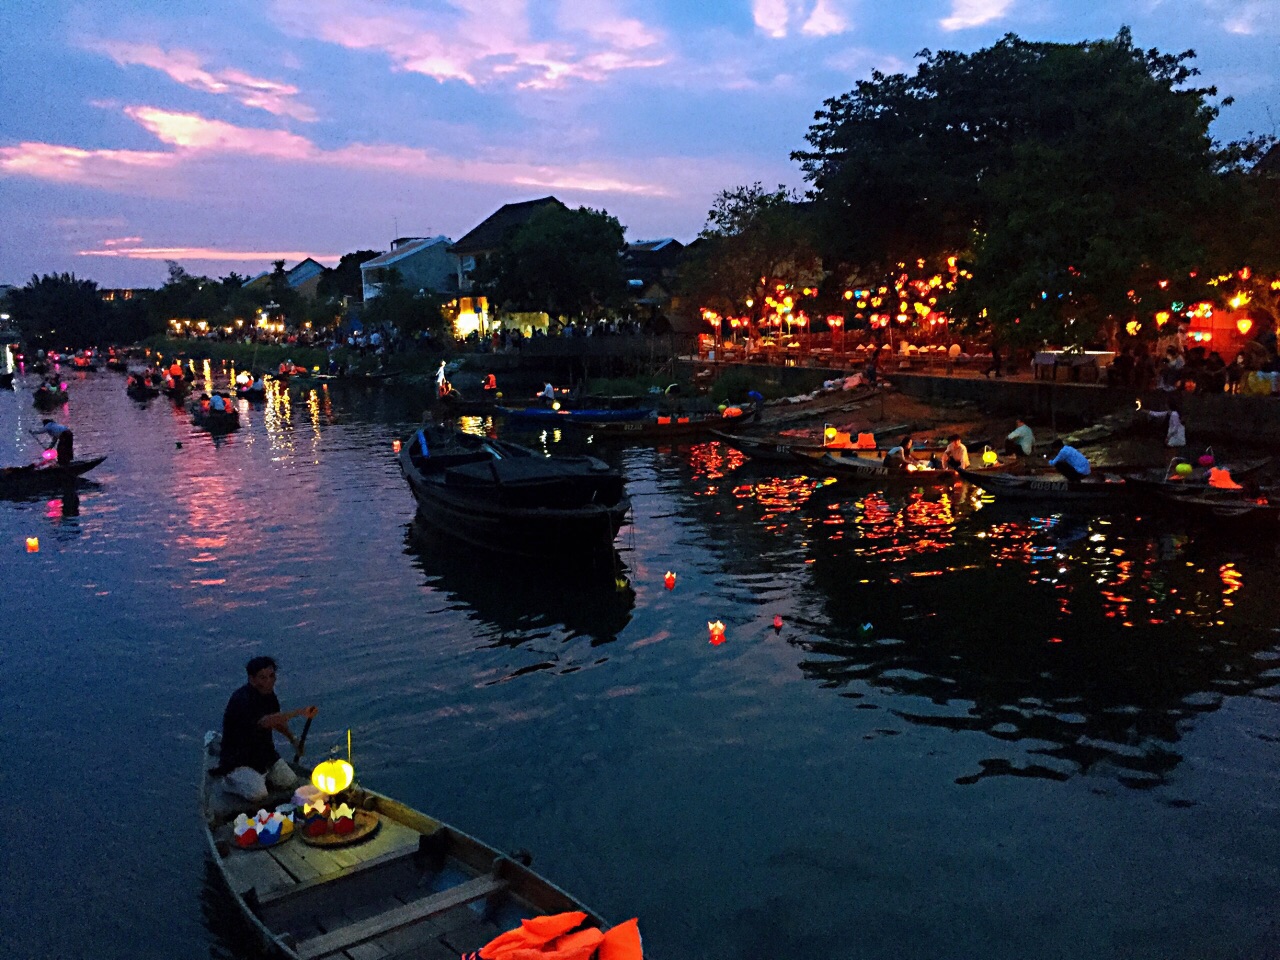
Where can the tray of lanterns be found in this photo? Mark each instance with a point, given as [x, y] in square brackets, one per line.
[329, 824]
[261, 831]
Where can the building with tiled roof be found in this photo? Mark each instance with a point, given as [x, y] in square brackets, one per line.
[482, 240]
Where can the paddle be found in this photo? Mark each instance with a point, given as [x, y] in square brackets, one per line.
[302, 740]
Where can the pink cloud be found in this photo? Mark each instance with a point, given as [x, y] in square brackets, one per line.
[201, 253]
[97, 168]
[196, 137]
[187, 68]
[481, 42]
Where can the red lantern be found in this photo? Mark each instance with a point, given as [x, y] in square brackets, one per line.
[395, 446]
[670, 580]
[777, 621]
[716, 630]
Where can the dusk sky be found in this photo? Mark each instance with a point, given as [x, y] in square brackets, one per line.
[226, 134]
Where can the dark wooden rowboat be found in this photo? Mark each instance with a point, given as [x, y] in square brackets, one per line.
[1164, 480]
[414, 887]
[548, 415]
[1228, 506]
[1098, 486]
[504, 497]
[871, 469]
[659, 428]
[33, 477]
[46, 399]
[141, 391]
[215, 421]
[766, 449]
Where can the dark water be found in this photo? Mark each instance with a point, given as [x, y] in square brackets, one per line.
[979, 731]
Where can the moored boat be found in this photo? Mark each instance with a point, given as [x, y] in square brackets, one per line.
[505, 497]
[551, 415]
[1098, 486]
[141, 391]
[920, 473]
[663, 426]
[37, 476]
[406, 885]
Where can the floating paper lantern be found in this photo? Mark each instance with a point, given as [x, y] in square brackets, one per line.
[777, 621]
[669, 580]
[395, 446]
[716, 630]
[33, 544]
[333, 776]
[343, 819]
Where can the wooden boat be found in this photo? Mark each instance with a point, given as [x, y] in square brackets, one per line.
[410, 887]
[215, 421]
[873, 469]
[118, 364]
[251, 393]
[549, 415]
[6, 380]
[505, 497]
[785, 450]
[1165, 480]
[178, 392]
[39, 476]
[1099, 485]
[47, 399]
[1228, 506]
[141, 391]
[661, 427]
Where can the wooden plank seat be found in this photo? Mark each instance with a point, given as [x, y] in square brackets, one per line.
[353, 934]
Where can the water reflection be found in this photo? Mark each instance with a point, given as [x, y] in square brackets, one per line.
[1082, 645]
[514, 600]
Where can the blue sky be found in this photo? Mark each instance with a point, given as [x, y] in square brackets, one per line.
[229, 133]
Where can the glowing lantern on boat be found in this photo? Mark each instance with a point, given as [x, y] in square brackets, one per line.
[395, 446]
[829, 434]
[48, 454]
[716, 630]
[670, 580]
[555, 405]
[990, 457]
[1183, 469]
[333, 776]
[33, 544]
[1244, 325]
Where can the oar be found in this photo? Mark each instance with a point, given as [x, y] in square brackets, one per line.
[302, 740]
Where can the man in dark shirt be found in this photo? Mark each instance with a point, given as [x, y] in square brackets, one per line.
[248, 752]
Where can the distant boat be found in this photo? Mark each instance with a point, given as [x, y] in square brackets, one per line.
[504, 497]
[550, 415]
[215, 421]
[1054, 487]
[660, 427]
[405, 885]
[47, 399]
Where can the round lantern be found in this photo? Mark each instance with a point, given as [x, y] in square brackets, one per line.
[990, 457]
[1244, 325]
[1183, 469]
[333, 776]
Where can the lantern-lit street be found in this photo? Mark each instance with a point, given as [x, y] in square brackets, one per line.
[800, 718]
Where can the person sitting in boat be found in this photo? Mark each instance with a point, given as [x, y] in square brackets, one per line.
[899, 457]
[61, 437]
[217, 404]
[1021, 440]
[204, 403]
[548, 393]
[955, 454]
[175, 371]
[249, 761]
[1069, 461]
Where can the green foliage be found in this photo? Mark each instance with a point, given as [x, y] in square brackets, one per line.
[1065, 175]
[345, 279]
[734, 384]
[567, 263]
[753, 239]
[408, 312]
[59, 310]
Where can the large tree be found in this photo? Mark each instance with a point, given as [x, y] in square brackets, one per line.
[754, 240]
[60, 310]
[345, 279]
[1072, 179]
[567, 263]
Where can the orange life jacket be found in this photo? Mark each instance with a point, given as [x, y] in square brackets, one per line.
[1220, 477]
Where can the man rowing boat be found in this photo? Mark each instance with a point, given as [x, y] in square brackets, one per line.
[250, 763]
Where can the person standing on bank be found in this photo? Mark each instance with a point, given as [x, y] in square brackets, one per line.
[252, 766]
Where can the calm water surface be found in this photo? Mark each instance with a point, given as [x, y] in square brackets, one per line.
[980, 732]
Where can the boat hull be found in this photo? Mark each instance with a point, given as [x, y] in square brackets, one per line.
[17, 481]
[1098, 488]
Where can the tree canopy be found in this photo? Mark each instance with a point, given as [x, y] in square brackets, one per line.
[1070, 179]
[345, 279]
[567, 263]
[754, 240]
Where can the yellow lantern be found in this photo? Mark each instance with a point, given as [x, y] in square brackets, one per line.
[33, 544]
[829, 434]
[333, 776]
[990, 457]
[1244, 325]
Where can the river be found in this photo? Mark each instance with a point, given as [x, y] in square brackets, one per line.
[979, 730]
